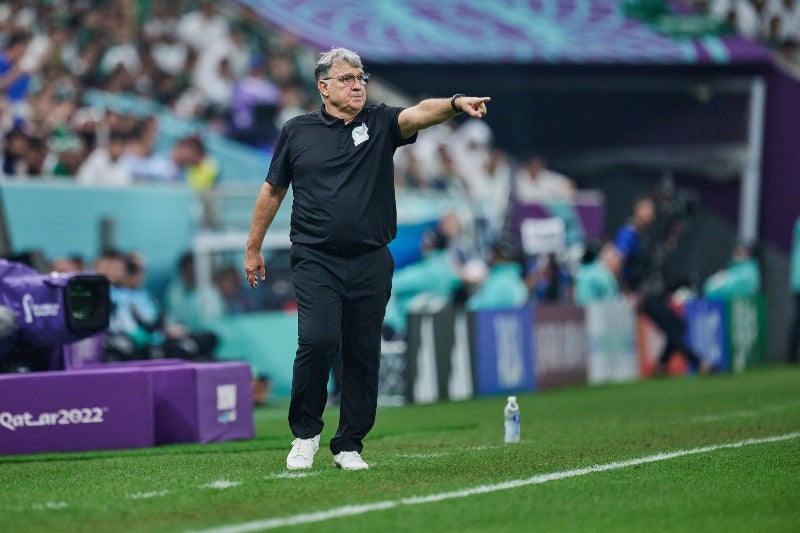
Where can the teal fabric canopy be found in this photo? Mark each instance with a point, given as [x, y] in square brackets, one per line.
[505, 31]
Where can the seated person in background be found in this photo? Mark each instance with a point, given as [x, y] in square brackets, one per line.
[104, 165]
[431, 281]
[596, 279]
[741, 278]
[504, 287]
[198, 170]
[136, 327]
[230, 284]
[132, 327]
[190, 311]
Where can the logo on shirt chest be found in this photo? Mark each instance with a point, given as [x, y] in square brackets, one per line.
[360, 134]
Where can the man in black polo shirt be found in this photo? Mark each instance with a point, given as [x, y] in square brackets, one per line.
[339, 163]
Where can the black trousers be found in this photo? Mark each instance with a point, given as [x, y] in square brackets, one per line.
[673, 327]
[341, 301]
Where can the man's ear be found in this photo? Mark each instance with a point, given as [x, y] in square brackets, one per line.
[322, 87]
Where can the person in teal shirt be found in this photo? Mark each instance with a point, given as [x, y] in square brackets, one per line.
[504, 287]
[597, 280]
[741, 278]
[434, 278]
[794, 282]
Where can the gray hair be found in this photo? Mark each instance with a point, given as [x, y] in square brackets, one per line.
[331, 57]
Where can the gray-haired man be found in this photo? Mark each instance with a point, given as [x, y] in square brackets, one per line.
[339, 163]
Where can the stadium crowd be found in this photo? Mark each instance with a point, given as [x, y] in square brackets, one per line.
[775, 23]
[221, 65]
[214, 63]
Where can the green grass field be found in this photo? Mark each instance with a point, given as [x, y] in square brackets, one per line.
[735, 467]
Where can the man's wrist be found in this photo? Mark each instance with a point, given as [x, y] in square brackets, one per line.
[453, 102]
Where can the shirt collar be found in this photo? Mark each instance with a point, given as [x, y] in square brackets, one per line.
[330, 120]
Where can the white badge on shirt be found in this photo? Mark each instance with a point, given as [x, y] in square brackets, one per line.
[360, 134]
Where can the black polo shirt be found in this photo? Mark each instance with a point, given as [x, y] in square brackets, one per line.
[342, 177]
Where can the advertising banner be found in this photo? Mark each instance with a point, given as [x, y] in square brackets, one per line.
[561, 345]
[438, 365]
[705, 331]
[612, 342]
[76, 411]
[503, 350]
[746, 327]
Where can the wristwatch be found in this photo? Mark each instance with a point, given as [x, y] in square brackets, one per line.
[453, 102]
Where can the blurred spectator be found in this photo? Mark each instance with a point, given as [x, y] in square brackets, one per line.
[203, 26]
[73, 263]
[741, 278]
[410, 175]
[534, 183]
[293, 103]
[596, 279]
[548, 279]
[122, 52]
[14, 77]
[629, 242]
[254, 102]
[111, 264]
[428, 283]
[232, 288]
[104, 165]
[504, 287]
[638, 261]
[197, 169]
[485, 177]
[137, 329]
[776, 23]
[186, 307]
[141, 160]
[134, 322]
[16, 146]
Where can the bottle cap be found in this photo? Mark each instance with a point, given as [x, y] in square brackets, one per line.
[512, 399]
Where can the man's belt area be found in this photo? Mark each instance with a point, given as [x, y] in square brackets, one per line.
[352, 251]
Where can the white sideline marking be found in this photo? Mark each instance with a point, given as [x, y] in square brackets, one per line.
[147, 495]
[57, 506]
[351, 510]
[220, 484]
[745, 413]
[292, 475]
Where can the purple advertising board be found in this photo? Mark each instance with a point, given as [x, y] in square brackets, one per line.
[76, 411]
[561, 346]
[503, 345]
[198, 402]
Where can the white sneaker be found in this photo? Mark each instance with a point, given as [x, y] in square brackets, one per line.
[349, 461]
[302, 454]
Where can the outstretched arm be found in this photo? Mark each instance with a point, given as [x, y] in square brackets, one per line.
[267, 204]
[437, 110]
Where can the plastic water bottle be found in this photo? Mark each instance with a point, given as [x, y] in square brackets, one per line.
[511, 415]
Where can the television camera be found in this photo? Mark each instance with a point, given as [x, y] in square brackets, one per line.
[41, 313]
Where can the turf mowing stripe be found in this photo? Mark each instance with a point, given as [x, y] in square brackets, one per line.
[350, 510]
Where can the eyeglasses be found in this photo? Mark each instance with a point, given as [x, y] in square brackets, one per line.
[350, 79]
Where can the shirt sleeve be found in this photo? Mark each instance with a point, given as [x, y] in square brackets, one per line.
[397, 137]
[280, 171]
[625, 242]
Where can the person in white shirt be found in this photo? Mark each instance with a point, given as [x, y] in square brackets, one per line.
[103, 166]
[537, 184]
[202, 27]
